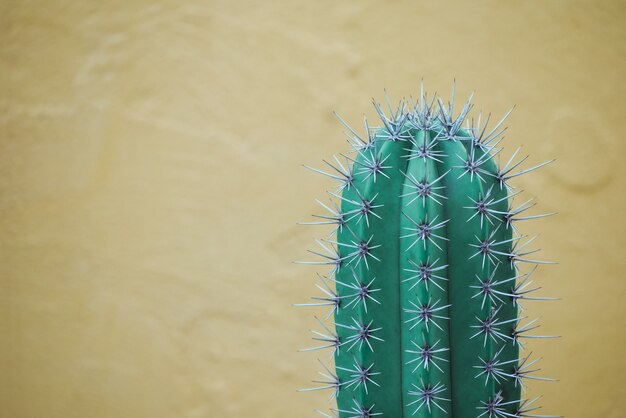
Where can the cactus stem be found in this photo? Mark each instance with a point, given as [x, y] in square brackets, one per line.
[406, 333]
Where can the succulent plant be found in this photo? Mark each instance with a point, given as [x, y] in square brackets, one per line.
[425, 283]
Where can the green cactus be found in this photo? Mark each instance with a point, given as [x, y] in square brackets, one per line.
[425, 271]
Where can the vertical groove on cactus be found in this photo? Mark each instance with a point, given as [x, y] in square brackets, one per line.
[424, 260]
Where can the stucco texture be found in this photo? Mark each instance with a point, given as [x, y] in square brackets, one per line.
[151, 181]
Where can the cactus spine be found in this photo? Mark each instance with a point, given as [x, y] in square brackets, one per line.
[425, 270]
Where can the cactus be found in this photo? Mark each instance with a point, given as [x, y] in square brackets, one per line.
[425, 279]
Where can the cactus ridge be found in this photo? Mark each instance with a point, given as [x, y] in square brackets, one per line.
[425, 278]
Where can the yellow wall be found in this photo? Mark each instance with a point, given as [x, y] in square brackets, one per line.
[151, 179]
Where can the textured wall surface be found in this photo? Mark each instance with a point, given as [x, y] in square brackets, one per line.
[151, 179]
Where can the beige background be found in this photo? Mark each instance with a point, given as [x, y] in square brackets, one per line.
[151, 181]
